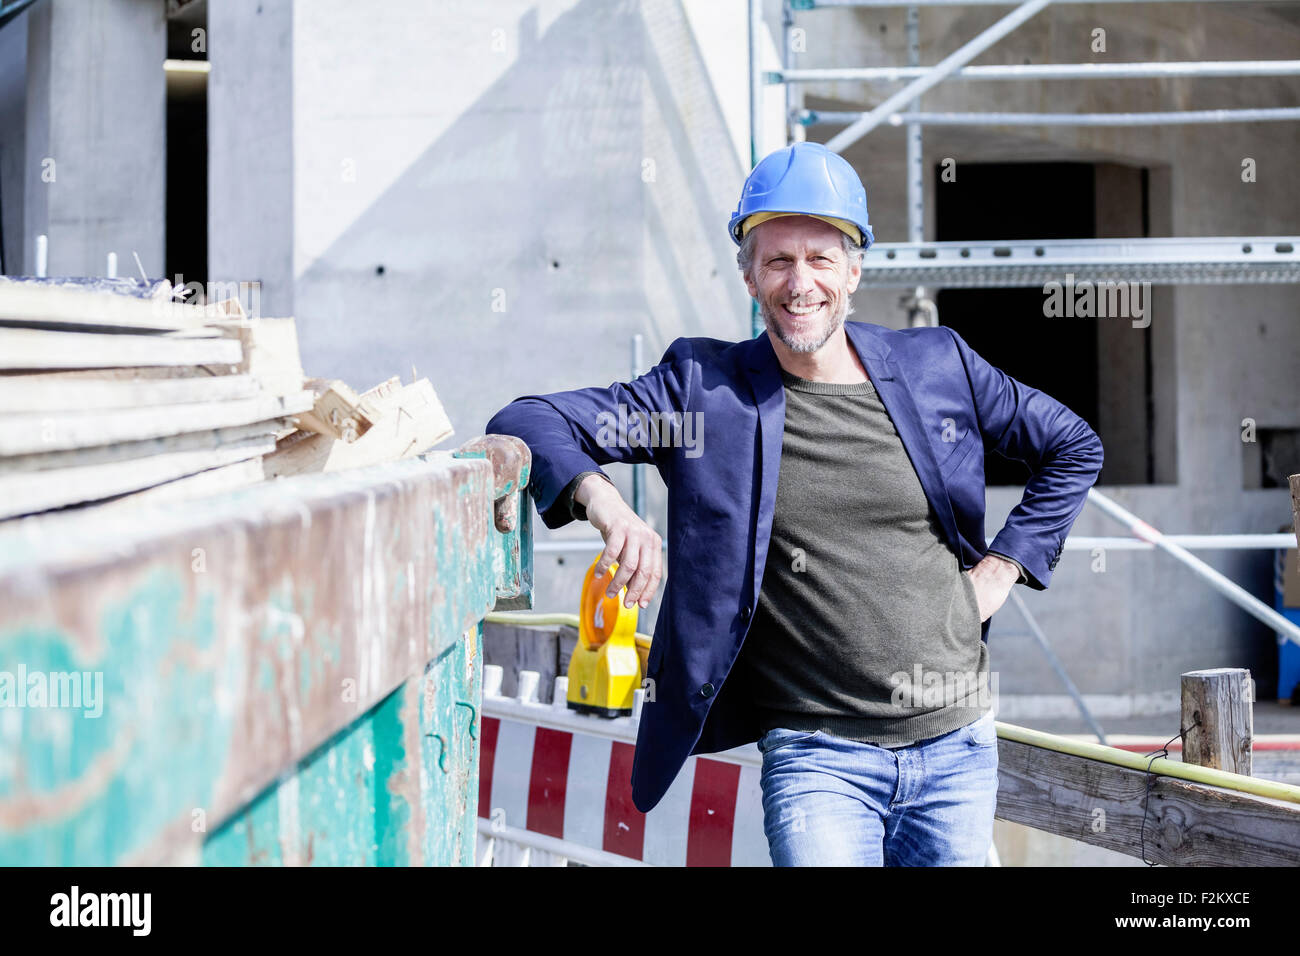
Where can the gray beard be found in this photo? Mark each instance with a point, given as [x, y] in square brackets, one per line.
[836, 320]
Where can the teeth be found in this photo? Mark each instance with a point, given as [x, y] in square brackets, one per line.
[806, 310]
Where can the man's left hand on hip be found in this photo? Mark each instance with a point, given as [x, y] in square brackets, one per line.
[993, 578]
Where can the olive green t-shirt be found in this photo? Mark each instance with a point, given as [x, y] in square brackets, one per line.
[866, 627]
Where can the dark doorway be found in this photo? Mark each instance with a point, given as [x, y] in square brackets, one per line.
[1007, 327]
[187, 144]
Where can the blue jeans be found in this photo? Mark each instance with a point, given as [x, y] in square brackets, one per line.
[830, 801]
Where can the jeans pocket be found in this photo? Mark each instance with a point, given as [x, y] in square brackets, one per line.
[783, 737]
[982, 732]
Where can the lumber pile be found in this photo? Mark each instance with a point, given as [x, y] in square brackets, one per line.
[110, 399]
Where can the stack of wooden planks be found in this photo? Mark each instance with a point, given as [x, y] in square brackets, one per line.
[115, 399]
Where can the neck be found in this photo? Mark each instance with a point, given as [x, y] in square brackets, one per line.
[836, 362]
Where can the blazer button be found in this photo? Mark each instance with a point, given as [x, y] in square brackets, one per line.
[745, 612]
[706, 690]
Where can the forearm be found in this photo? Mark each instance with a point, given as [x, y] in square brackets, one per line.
[557, 457]
[576, 432]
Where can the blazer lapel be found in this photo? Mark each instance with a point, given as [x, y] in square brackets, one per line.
[769, 395]
[896, 396]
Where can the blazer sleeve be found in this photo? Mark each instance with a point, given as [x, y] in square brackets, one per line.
[1062, 451]
[569, 433]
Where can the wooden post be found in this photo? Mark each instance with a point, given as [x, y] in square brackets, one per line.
[1217, 710]
[1295, 503]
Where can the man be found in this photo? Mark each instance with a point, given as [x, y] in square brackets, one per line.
[827, 569]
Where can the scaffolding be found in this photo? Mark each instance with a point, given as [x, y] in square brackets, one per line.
[916, 264]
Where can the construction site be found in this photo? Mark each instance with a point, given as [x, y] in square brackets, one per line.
[274, 592]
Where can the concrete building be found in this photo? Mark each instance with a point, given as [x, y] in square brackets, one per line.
[502, 195]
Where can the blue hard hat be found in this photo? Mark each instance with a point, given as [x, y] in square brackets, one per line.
[804, 179]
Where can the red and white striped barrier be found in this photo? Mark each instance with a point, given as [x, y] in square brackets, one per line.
[556, 785]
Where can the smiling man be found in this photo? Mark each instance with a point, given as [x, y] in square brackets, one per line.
[829, 586]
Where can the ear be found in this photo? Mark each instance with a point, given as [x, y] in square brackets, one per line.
[855, 275]
[749, 283]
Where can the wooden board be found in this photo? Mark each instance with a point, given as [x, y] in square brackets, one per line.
[338, 412]
[1186, 824]
[127, 374]
[210, 482]
[411, 421]
[30, 434]
[270, 352]
[60, 392]
[44, 349]
[40, 491]
[50, 305]
[134, 450]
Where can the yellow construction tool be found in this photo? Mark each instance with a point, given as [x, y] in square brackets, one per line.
[605, 668]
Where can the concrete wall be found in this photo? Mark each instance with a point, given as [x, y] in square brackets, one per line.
[95, 135]
[1224, 353]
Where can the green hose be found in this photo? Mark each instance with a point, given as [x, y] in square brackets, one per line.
[1160, 765]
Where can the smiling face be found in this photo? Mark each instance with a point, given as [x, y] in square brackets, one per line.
[802, 280]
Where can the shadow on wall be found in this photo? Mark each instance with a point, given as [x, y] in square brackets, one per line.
[521, 251]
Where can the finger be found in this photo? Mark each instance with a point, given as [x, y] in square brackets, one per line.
[644, 567]
[655, 576]
[613, 548]
[627, 563]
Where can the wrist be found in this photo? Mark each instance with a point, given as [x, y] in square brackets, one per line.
[1006, 569]
[599, 500]
[591, 487]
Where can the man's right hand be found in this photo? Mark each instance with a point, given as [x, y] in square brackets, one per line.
[631, 542]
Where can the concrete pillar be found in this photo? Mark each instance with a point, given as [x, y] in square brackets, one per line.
[1121, 349]
[251, 149]
[95, 150]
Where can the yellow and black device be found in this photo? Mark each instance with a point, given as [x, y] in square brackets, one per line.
[605, 669]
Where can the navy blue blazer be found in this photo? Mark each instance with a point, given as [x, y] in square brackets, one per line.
[949, 407]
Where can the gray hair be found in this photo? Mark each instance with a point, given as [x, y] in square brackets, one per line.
[745, 255]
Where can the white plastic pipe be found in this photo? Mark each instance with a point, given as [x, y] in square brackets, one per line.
[1192, 542]
[1233, 592]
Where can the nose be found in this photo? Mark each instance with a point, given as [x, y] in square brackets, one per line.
[800, 280]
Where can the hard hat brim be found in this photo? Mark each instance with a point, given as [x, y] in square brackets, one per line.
[850, 229]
